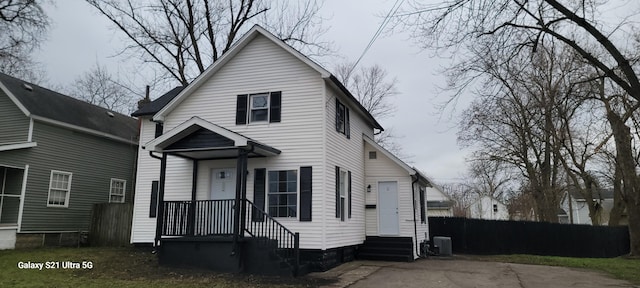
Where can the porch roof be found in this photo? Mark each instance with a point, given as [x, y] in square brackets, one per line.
[199, 139]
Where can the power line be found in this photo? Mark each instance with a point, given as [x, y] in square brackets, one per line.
[384, 23]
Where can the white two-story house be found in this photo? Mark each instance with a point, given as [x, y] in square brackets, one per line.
[265, 156]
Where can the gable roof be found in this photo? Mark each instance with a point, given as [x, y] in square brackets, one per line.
[49, 106]
[601, 194]
[254, 32]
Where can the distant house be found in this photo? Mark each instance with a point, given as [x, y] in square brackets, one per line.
[488, 208]
[58, 156]
[265, 163]
[439, 204]
[575, 210]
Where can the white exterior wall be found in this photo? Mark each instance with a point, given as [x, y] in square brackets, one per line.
[347, 154]
[483, 209]
[434, 194]
[384, 169]
[260, 67]
[143, 228]
[580, 211]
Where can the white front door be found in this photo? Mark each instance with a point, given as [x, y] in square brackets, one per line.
[388, 208]
[223, 187]
[223, 184]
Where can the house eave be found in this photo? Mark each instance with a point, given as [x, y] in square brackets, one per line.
[16, 146]
[84, 130]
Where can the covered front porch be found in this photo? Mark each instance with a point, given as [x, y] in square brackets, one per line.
[226, 232]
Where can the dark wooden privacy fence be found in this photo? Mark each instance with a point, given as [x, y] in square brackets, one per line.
[490, 237]
[111, 224]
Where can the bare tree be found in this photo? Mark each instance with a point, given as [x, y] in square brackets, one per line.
[182, 38]
[99, 87]
[520, 27]
[24, 25]
[375, 91]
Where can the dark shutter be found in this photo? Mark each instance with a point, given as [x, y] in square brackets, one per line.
[305, 193]
[159, 128]
[259, 185]
[338, 122]
[349, 191]
[241, 110]
[423, 211]
[347, 125]
[337, 192]
[275, 103]
[153, 207]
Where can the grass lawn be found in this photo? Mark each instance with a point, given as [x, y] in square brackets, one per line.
[621, 267]
[119, 267]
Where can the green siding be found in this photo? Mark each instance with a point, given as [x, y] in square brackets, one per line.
[14, 125]
[92, 160]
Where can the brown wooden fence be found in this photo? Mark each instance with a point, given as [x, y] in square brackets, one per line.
[111, 224]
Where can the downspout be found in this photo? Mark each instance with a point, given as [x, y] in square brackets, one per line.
[415, 225]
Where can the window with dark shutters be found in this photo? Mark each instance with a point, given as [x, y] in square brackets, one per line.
[347, 124]
[305, 193]
[153, 206]
[342, 119]
[159, 130]
[259, 180]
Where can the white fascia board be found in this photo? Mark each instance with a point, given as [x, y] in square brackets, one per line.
[18, 146]
[225, 58]
[83, 129]
[15, 100]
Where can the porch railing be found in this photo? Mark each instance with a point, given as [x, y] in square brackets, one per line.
[270, 232]
[215, 217]
[198, 218]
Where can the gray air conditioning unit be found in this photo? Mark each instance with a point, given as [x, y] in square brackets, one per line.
[442, 245]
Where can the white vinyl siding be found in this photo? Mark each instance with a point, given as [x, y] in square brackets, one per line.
[348, 154]
[143, 227]
[117, 190]
[384, 169]
[298, 136]
[59, 189]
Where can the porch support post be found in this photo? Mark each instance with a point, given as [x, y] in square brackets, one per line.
[192, 208]
[241, 191]
[160, 214]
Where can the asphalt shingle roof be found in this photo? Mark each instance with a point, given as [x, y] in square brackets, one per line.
[154, 106]
[52, 105]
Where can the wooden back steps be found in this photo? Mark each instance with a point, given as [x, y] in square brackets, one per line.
[398, 249]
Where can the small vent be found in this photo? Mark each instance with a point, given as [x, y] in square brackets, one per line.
[27, 87]
[110, 114]
[373, 155]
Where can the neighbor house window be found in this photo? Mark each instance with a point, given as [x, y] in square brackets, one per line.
[59, 189]
[117, 190]
[495, 208]
[283, 193]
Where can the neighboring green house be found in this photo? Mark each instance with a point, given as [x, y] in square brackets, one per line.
[58, 157]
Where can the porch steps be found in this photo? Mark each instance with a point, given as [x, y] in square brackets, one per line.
[397, 249]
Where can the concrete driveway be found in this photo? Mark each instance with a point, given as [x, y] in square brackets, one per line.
[462, 273]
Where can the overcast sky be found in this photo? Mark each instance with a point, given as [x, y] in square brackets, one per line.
[80, 38]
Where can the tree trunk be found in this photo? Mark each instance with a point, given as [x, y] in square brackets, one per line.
[626, 164]
[618, 203]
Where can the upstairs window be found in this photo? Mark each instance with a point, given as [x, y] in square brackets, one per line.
[342, 119]
[258, 107]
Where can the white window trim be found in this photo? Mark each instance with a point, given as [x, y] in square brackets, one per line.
[268, 107]
[297, 193]
[344, 189]
[66, 200]
[124, 189]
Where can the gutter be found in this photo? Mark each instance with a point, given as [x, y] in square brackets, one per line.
[413, 197]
